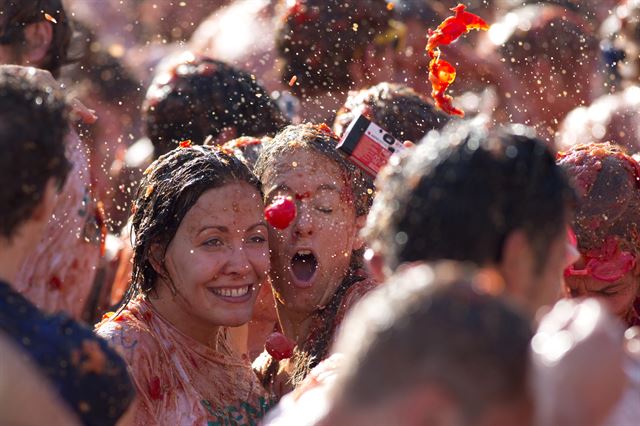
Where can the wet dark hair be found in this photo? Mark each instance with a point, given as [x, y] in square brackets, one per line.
[459, 194]
[396, 108]
[33, 125]
[318, 139]
[428, 326]
[608, 184]
[197, 97]
[169, 188]
[16, 15]
[317, 39]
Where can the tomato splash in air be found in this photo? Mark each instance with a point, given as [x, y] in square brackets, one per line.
[50, 18]
[279, 346]
[281, 212]
[441, 72]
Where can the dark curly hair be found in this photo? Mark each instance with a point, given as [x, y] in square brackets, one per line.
[197, 97]
[16, 15]
[459, 194]
[317, 39]
[33, 125]
[169, 188]
[396, 108]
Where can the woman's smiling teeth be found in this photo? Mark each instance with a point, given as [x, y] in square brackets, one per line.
[231, 292]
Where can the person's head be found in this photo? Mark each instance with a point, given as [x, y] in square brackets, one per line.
[552, 60]
[312, 257]
[200, 237]
[493, 198]
[34, 32]
[606, 225]
[33, 166]
[196, 97]
[426, 348]
[329, 45]
[396, 108]
[613, 118]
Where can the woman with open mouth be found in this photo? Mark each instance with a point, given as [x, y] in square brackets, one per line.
[316, 261]
[200, 254]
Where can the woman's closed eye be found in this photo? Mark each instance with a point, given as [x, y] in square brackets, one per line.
[324, 209]
[257, 239]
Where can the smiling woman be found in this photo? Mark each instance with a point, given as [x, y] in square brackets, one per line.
[200, 255]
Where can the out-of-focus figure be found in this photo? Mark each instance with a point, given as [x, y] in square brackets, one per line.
[424, 348]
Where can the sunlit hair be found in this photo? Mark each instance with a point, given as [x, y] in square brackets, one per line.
[462, 191]
[168, 190]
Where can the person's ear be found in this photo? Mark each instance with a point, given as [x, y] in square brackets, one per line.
[38, 36]
[517, 263]
[156, 258]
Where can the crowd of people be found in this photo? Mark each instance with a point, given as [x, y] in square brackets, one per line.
[489, 274]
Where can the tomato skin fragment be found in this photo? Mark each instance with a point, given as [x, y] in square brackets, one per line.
[441, 72]
[50, 18]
